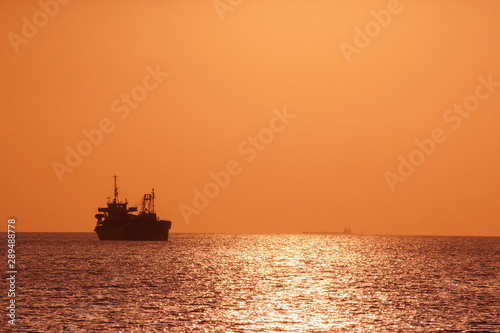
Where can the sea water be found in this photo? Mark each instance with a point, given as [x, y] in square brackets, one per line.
[72, 282]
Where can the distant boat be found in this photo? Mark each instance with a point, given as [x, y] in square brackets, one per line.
[347, 231]
[117, 222]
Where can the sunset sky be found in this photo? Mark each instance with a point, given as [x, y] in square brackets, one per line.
[362, 87]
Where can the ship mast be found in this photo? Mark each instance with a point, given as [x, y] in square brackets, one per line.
[153, 201]
[115, 200]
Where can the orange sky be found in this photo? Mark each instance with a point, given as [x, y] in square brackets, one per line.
[228, 68]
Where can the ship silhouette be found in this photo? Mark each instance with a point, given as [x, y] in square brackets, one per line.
[347, 231]
[119, 222]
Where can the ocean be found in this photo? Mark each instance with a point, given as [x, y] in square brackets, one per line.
[72, 282]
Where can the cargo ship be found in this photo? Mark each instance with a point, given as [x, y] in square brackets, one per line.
[119, 222]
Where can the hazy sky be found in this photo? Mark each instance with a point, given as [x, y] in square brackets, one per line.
[382, 116]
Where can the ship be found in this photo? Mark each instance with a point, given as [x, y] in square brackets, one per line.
[119, 222]
[347, 231]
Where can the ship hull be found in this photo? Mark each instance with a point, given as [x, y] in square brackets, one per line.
[135, 231]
